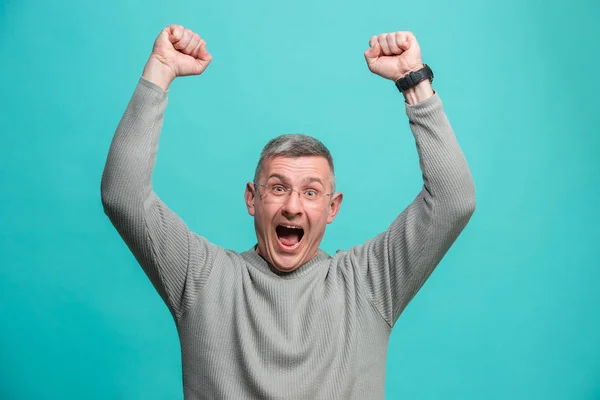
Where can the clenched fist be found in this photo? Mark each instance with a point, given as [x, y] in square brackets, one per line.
[393, 55]
[177, 52]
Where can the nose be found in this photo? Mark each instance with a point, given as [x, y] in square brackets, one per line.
[293, 204]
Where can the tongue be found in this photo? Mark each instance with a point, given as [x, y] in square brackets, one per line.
[288, 236]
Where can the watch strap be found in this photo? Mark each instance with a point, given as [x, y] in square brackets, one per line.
[414, 78]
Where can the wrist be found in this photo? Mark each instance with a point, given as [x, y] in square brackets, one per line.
[413, 68]
[418, 93]
[158, 73]
[415, 84]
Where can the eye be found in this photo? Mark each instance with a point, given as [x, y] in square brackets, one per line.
[311, 193]
[278, 189]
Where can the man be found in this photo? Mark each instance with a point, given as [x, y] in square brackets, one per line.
[284, 320]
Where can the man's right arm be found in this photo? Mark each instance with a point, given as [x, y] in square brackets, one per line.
[158, 238]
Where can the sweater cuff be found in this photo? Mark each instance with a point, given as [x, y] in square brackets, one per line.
[424, 109]
[151, 85]
[148, 96]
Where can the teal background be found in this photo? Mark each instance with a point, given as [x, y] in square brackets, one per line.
[510, 313]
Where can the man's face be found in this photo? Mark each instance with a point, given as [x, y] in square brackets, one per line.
[289, 228]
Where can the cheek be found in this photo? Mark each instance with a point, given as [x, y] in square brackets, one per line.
[318, 220]
[264, 213]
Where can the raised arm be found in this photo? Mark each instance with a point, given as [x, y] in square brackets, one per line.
[395, 264]
[158, 238]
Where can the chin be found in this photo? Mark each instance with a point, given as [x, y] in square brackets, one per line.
[284, 262]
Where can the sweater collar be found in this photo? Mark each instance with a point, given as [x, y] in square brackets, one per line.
[260, 263]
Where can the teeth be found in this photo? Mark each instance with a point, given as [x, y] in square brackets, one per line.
[292, 227]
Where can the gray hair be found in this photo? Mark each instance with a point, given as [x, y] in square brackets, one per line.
[295, 145]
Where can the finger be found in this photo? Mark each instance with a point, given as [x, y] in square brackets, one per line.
[192, 44]
[201, 43]
[391, 42]
[175, 33]
[372, 41]
[384, 45]
[185, 40]
[403, 40]
[373, 53]
[203, 54]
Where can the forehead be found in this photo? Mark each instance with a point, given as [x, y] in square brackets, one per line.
[297, 168]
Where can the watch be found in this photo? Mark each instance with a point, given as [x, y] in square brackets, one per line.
[413, 78]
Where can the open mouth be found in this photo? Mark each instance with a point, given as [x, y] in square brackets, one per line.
[289, 236]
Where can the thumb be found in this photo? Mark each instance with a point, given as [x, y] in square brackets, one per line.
[373, 53]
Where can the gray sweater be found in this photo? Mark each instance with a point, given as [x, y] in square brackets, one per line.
[319, 332]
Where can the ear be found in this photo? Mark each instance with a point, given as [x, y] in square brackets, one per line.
[334, 206]
[249, 196]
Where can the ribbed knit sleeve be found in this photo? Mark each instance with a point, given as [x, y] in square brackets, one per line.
[395, 264]
[157, 237]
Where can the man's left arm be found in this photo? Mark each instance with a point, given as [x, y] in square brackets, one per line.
[395, 264]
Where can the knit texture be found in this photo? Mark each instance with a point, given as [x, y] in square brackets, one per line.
[319, 332]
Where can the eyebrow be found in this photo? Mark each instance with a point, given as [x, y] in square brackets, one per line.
[308, 179]
[280, 177]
